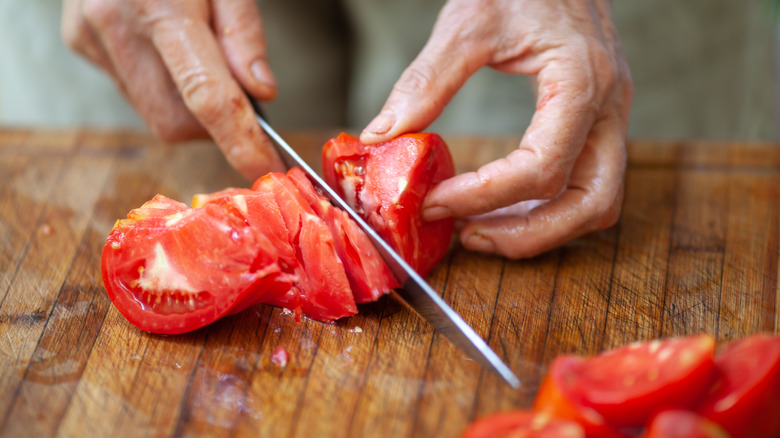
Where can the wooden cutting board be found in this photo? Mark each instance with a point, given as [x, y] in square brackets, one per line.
[695, 250]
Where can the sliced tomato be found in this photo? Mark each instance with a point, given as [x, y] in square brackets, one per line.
[322, 290]
[745, 399]
[369, 276]
[387, 182]
[553, 402]
[523, 424]
[684, 424]
[627, 385]
[175, 272]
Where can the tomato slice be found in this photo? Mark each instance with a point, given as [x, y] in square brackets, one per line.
[684, 424]
[322, 290]
[171, 269]
[369, 276]
[745, 399]
[387, 182]
[627, 385]
[523, 424]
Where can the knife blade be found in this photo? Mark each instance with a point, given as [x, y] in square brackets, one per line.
[416, 292]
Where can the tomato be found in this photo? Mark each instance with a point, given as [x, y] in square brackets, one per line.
[386, 183]
[684, 424]
[522, 424]
[367, 273]
[745, 399]
[172, 269]
[627, 385]
[169, 268]
[551, 401]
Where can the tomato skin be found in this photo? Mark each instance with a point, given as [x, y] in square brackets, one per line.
[683, 424]
[153, 279]
[386, 183]
[745, 399]
[627, 385]
[522, 424]
[552, 401]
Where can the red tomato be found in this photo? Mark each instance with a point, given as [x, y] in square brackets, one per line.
[745, 399]
[523, 424]
[321, 290]
[172, 269]
[627, 385]
[368, 275]
[387, 182]
[684, 424]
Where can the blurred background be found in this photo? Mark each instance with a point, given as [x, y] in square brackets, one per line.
[702, 69]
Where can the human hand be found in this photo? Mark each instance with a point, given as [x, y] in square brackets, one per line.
[566, 177]
[182, 64]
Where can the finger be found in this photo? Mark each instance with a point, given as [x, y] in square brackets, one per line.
[539, 169]
[239, 31]
[590, 202]
[427, 85]
[192, 56]
[80, 37]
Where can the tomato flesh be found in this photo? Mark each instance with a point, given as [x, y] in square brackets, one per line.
[170, 268]
[157, 288]
[522, 424]
[387, 182]
[745, 398]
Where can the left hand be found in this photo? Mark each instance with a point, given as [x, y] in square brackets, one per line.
[566, 177]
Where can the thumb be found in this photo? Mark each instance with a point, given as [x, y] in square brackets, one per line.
[425, 87]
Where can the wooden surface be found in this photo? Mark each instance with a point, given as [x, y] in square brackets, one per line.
[696, 250]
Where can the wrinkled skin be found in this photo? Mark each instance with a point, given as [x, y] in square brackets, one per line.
[180, 63]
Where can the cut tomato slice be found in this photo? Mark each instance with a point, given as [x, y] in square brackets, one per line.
[684, 424]
[387, 182]
[745, 398]
[369, 276]
[179, 272]
[322, 290]
[523, 424]
[627, 385]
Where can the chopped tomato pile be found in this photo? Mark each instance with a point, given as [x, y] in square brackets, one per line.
[671, 388]
[170, 268]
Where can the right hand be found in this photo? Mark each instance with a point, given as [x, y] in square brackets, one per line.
[182, 64]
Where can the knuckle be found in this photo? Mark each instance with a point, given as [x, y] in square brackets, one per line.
[204, 96]
[552, 180]
[416, 78]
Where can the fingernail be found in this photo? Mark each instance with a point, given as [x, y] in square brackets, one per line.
[436, 212]
[382, 123]
[478, 242]
[263, 75]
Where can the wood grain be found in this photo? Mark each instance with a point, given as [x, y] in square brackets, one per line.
[695, 250]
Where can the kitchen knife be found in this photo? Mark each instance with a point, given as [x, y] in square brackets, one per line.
[416, 292]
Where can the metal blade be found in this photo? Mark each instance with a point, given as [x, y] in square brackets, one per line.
[416, 292]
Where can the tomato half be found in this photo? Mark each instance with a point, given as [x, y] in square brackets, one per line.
[745, 398]
[172, 269]
[627, 385]
[387, 182]
[684, 424]
[523, 424]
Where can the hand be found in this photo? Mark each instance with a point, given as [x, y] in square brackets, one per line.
[566, 177]
[176, 60]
